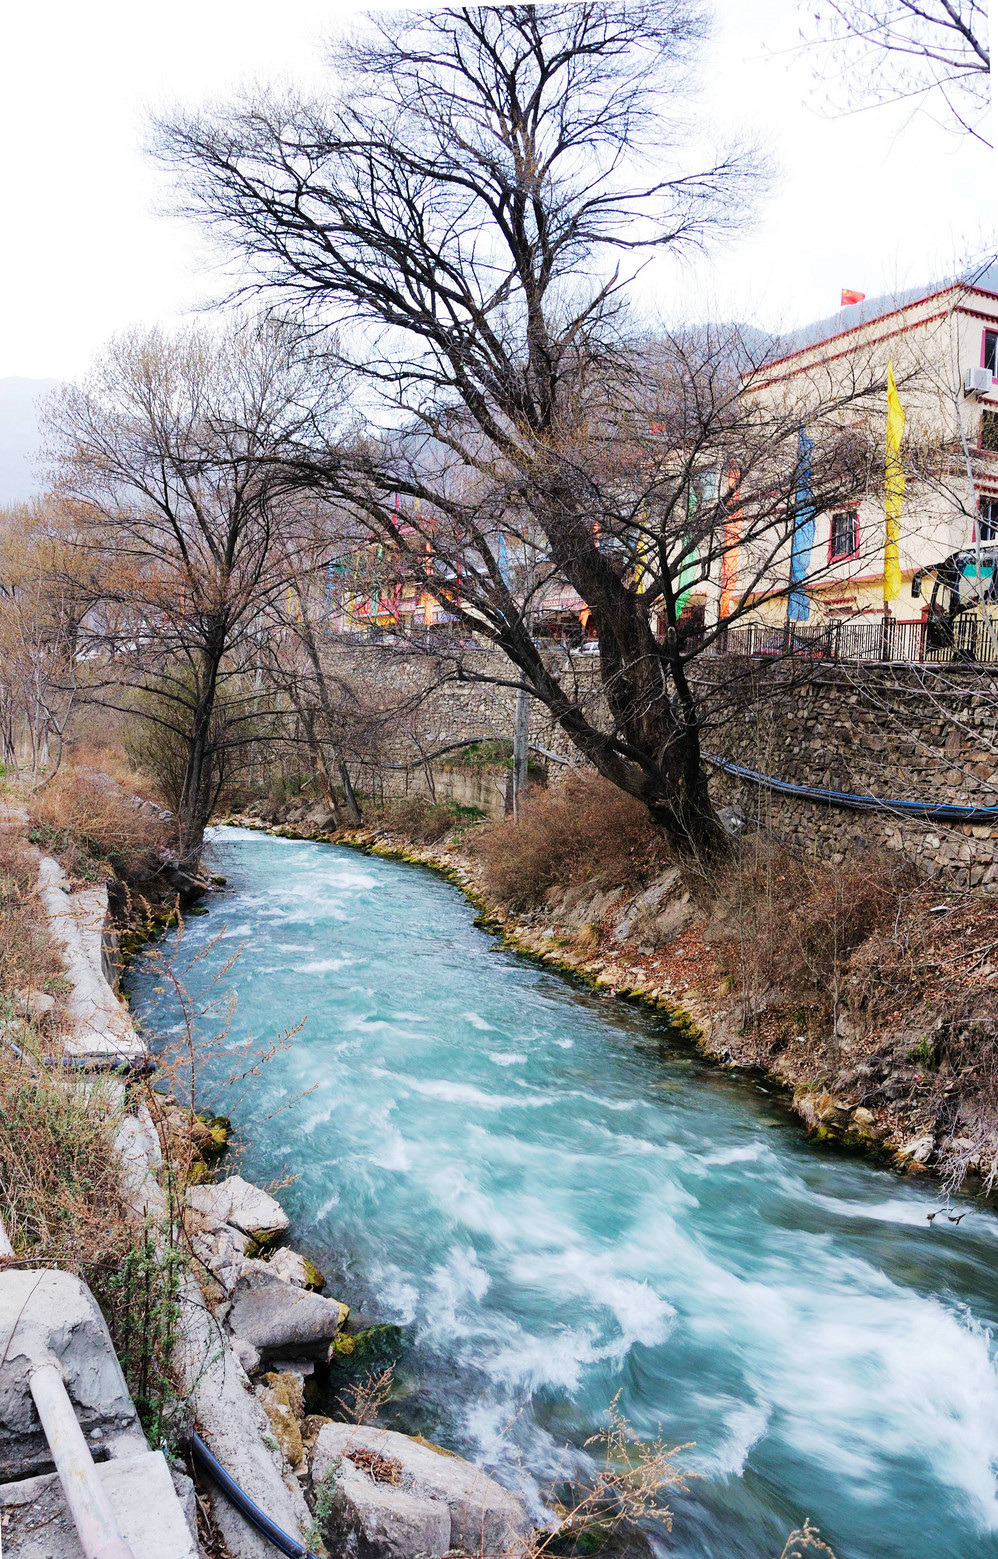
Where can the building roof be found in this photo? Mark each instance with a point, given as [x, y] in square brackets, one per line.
[983, 279]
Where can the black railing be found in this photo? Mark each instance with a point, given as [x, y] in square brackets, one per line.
[967, 640]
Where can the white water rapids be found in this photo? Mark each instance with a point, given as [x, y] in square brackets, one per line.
[562, 1203]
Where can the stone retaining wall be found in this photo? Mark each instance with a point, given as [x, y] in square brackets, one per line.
[905, 733]
[911, 733]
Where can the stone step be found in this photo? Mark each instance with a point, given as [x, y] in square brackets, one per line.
[154, 1507]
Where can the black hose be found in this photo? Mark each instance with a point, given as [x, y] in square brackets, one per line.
[142, 1066]
[254, 1515]
[942, 812]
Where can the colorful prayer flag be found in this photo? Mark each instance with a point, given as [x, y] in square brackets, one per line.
[798, 605]
[893, 488]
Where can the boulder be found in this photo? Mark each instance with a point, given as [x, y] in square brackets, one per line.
[482, 1516]
[372, 1518]
[282, 1321]
[282, 1398]
[234, 1426]
[917, 1150]
[33, 1005]
[287, 1264]
[244, 1206]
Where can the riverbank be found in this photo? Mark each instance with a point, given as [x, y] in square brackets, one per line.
[221, 1327]
[878, 1064]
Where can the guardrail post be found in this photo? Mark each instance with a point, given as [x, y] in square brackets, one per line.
[99, 1533]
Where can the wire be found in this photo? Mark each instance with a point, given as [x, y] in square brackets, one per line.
[942, 812]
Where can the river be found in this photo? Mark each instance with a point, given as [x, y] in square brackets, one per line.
[563, 1203]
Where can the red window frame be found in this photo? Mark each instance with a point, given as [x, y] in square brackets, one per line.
[843, 557]
[984, 349]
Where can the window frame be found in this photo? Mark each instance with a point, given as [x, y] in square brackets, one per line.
[988, 498]
[987, 419]
[984, 351]
[843, 557]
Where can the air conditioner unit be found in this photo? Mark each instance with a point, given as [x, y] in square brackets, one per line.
[977, 381]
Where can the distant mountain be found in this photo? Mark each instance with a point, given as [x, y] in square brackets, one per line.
[20, 437]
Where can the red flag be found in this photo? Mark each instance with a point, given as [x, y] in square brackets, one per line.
[848, 296]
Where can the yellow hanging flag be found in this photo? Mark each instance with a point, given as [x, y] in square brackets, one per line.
[893, 488]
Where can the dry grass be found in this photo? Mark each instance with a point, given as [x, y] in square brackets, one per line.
[786, 923]
[586, 830]
[422, 820]
[95, 827]
[115, 762]
[58, 1171]
[27, 956]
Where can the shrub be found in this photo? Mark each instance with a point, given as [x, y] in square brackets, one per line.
[60, 1192]
[585, 830]
[27, 957]
[422, 820]
[794, 925]
[92, 824]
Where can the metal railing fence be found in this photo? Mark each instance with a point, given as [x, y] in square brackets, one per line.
[968, 640]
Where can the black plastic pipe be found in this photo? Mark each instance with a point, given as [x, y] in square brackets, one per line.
[143, 1066]
[942, 812]
[247, 1507]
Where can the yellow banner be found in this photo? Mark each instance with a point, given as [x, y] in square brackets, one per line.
[893, 488]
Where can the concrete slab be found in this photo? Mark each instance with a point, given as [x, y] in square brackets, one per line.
[100, 1021]
[35, 1522]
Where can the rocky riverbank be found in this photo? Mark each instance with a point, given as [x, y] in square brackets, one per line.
[879, 1082]
[246, 1337]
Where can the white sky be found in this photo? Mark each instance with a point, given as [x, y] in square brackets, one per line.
[872, 202]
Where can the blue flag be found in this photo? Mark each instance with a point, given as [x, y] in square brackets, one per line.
[798, 606]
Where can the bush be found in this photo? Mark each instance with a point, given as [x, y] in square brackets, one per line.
[586, 830]
[60, 1185]
[27, 957]
[793, 925]
[92, 824]
[425, 821]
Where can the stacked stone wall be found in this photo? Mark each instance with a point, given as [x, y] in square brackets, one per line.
[891, 731]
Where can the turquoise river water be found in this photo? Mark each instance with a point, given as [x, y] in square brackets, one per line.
[562, 1203]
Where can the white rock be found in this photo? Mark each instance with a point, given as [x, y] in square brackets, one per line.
[484, 1518]
[918, 1149]
[373, 1520]
[136, 1143]
[34, 1005]
[287, 1264]
[240, 1204]
[247, 1355]
[99, 1020]
[236, 1429]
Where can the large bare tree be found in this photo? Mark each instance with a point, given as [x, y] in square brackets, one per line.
[935, 52]
[460, 227]
[166, 456]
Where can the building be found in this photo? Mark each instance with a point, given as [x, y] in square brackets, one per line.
[943, 345]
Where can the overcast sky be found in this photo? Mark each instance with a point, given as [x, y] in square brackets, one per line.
[875, 201]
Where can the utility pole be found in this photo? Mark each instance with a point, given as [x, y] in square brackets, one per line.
[521, 750]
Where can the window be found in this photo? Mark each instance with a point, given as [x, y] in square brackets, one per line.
[987, 519]
[988, 432]
[844, 538]
[990, 357]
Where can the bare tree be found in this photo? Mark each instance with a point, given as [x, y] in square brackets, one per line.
[932, 51]
[292, 663]
[166, 455]
[469, 215]
[38, 635]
